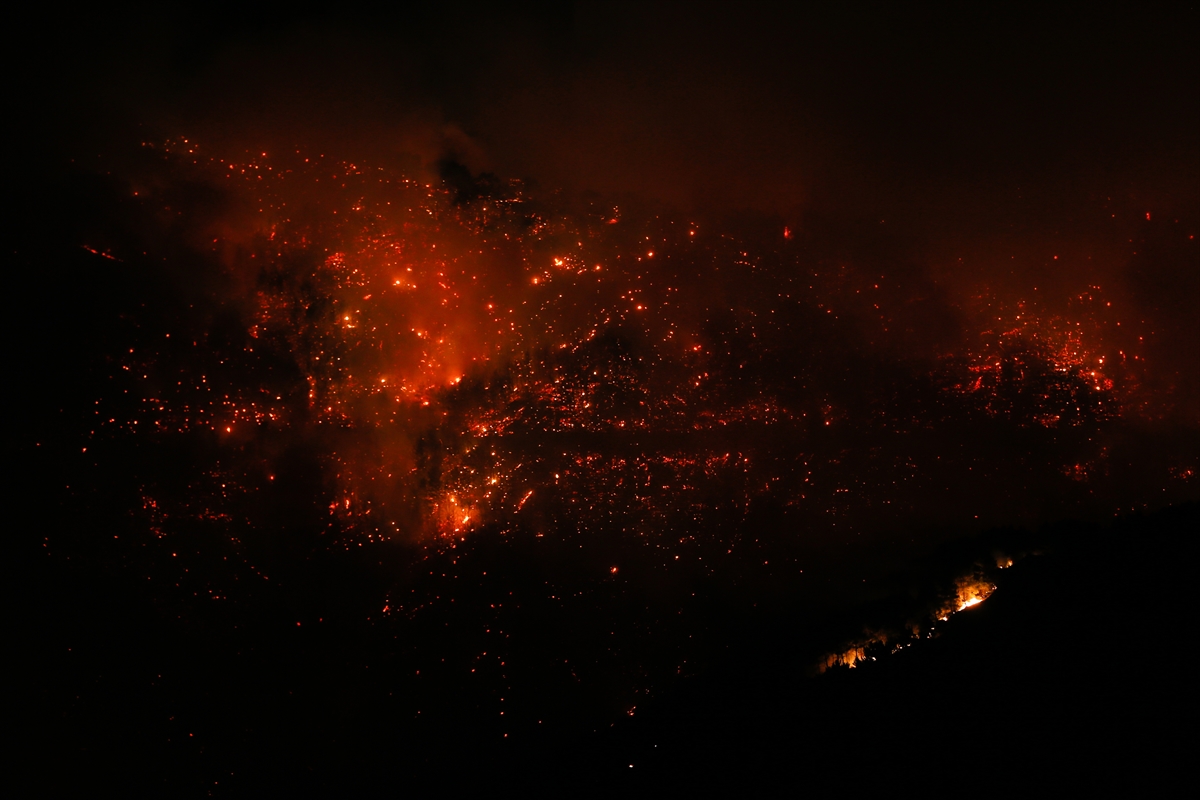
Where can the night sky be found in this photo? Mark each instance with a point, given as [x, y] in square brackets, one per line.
[575, 396]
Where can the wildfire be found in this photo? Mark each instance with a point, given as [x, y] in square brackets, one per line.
[640, 399]
[969, 592]
[469, 339]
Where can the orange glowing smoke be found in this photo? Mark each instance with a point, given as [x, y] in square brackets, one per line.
[470, 354]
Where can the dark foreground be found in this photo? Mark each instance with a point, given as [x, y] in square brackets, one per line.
[1073, 674]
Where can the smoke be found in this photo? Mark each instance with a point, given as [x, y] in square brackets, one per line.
[953, 155]
[988, 219]
[596, 328]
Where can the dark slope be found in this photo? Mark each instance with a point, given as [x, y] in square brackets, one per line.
[1074, 673]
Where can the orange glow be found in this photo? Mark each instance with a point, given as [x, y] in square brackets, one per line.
[462, 343]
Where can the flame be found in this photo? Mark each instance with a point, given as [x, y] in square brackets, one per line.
[970, 592]
[460, 343]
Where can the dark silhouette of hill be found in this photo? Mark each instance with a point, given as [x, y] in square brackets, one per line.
[1074, 674]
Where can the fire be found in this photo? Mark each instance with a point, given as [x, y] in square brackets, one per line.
[970, 592]
[514, 384]
[639, 377]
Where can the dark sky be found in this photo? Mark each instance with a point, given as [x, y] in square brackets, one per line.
[1000, 149]
[876, 109]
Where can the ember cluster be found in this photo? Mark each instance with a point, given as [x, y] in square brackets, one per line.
[574, 424]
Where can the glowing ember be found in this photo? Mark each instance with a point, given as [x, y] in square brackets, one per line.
[971, 592]
[612, 390]
[467, 338]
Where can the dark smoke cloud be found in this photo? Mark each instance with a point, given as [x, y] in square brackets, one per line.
[992, 152]
[991, 135]
[760, 106]
[988, 152]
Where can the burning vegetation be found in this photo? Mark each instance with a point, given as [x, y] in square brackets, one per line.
[969, 591]
[657, 406]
